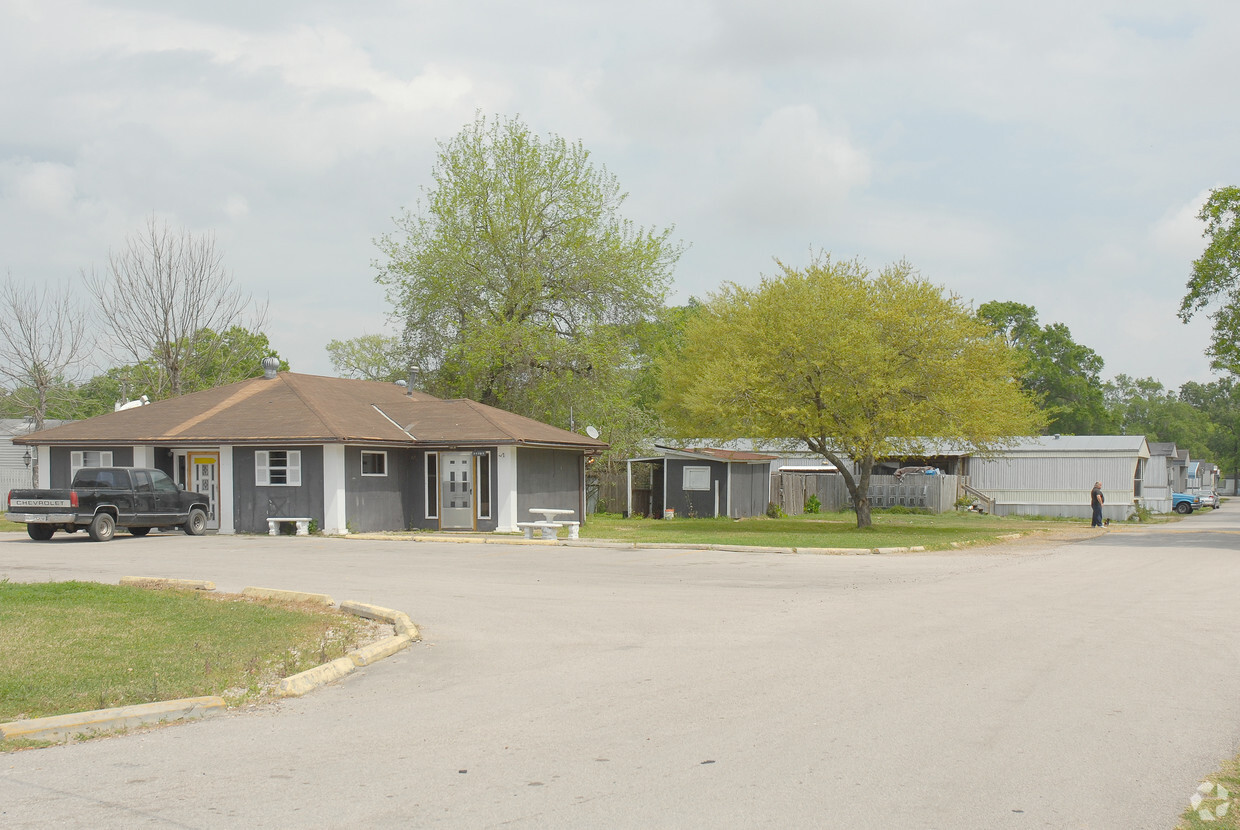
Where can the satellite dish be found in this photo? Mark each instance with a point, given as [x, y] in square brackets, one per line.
[592, 432]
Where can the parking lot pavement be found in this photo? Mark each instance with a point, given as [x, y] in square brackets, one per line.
[1084, 685]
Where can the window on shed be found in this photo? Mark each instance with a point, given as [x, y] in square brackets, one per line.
[88, 458]
[697, 478]
[374, 463]
[277, 468]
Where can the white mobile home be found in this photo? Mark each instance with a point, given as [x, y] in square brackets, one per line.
[1053, 475]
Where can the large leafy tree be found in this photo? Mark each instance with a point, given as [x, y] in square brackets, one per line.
[369, 357]
[1215, 280]
[857, 366]
[164, 299]
[1219, 402]
[1063, 375]
[1143, 406]
[517, 280]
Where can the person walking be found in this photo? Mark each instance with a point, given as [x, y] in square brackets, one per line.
[1096, 501]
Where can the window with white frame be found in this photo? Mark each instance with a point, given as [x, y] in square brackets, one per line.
[277, 468]
[697, 478]
[374, 463]
[88, 458]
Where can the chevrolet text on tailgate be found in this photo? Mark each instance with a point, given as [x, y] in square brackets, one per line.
[104, 498]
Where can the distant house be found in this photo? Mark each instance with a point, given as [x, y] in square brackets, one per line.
[16, 464]
[349, 454]
[1163, 474]
[703, 482]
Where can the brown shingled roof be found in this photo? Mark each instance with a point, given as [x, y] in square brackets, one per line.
[310, 409]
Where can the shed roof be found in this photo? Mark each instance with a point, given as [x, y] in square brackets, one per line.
[296, 408]
[711, 454]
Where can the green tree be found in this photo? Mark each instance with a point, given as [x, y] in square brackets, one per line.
[1064, 376]
[1215, 279]
[231, 356]
[1219, 401]
[369, 357]
[518, 282]
[857, 366]
[1143, 406]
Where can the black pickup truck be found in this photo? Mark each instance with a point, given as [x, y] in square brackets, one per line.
[104, 498]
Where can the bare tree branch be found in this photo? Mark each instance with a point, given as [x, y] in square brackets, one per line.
[44, 343]
[162, 296]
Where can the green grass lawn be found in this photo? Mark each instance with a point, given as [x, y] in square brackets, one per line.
[824, 530]
[76, 646]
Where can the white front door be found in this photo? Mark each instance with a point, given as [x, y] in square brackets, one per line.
[456, 491]
[205, 478]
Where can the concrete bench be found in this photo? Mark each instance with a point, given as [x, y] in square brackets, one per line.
[548, 529]
[572, 528]
[302, 522]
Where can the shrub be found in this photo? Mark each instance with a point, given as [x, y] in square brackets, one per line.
[774, 511]
[812, 504]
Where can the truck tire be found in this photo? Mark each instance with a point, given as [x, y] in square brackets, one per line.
[139, 531]
[196, 524]
[40, 533]
[1183, 508]
[102, 528]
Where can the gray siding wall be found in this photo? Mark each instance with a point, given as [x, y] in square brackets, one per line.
[60, 472]
[695, 503]
[253, 504]
[548, 478]
[377, 502]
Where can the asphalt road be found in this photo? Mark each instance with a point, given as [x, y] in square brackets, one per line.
[1085, 685]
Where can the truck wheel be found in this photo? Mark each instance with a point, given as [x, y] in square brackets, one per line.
[40, 533]
[102, 528]
[1183, 508]
[196, 524]
[139, 531]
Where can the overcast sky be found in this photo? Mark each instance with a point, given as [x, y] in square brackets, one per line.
[1052, 153]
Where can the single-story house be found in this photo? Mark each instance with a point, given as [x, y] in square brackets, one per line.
[703, 482]
[352, 455]
[1052, 475]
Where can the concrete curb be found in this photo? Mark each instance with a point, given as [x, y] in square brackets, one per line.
[286, 596]
[61, 727]
[161, 582]
[613, 545]
[298, 684]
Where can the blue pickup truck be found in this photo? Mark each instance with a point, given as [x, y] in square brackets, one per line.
[1185, 502]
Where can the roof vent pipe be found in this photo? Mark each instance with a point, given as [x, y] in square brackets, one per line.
[271, 366]
[413, 380]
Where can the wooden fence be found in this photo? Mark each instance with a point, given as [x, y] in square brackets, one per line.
[936, 493]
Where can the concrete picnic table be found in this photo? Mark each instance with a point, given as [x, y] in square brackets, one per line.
[550, 524]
